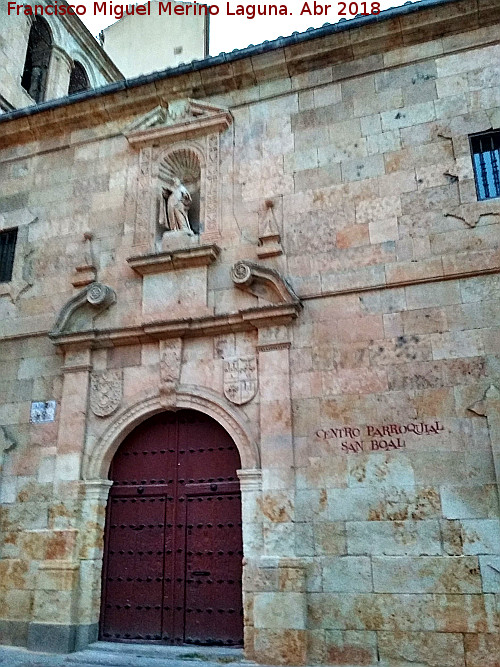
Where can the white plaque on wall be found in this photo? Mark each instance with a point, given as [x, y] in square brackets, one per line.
[42, 412]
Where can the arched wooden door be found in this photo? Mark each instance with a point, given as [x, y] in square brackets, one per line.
[173, 544]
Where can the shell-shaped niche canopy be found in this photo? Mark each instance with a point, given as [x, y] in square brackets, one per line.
[184, 164]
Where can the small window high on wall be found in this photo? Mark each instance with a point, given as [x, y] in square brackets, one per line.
[36, 66]
[79, 81]
[485, 148]
[8, 240]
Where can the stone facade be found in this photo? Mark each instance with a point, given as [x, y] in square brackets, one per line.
[342, 248]
[71, 41]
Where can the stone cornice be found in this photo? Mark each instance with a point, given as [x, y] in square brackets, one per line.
[177, 259]
[211, 325]
[371, 278]
[334, 46]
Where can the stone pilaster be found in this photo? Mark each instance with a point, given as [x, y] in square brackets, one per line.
[92, 523]
[276, 505]
[55, 621]
[275, 397]
[251, 491]
[59, 74]
[73, 415]
[53, 618]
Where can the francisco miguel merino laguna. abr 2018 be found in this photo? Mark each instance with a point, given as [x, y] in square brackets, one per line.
[118, 11]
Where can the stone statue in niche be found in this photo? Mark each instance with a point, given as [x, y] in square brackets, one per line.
[174, 210]
[179, 179]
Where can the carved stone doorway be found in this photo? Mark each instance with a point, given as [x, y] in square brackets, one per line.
[173, 537]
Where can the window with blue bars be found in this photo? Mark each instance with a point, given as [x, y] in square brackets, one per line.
[485, 150]
[8, 240]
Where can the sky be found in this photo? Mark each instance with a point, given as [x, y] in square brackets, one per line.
[228, 32]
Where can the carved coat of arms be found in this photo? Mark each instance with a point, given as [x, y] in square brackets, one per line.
[105, 392]
[240, 379]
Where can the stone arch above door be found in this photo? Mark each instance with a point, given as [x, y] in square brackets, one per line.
[98, 458]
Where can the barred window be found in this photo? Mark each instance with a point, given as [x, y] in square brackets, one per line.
[485, 150]
[7, 249]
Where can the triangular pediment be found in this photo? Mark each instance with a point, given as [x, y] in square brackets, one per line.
[179, 117]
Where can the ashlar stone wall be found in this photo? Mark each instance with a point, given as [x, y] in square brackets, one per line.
[370, 452]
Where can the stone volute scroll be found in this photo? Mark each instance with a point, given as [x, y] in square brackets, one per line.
[263, 282]
[78, 314]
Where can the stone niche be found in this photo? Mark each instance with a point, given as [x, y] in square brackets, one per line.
[178, 202]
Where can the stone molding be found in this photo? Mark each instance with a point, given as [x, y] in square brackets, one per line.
[263, 282]
[209, 325]
[59, 565]
[266, 562]
[97, 490]
[63, 56]
[404, 274]
[75, 362]
[246, 320]
[75, 368]
[250, 480]
[97, 461]
[184, 258]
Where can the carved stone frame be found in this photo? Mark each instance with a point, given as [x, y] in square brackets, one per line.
[161, 132]
[146, 216]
